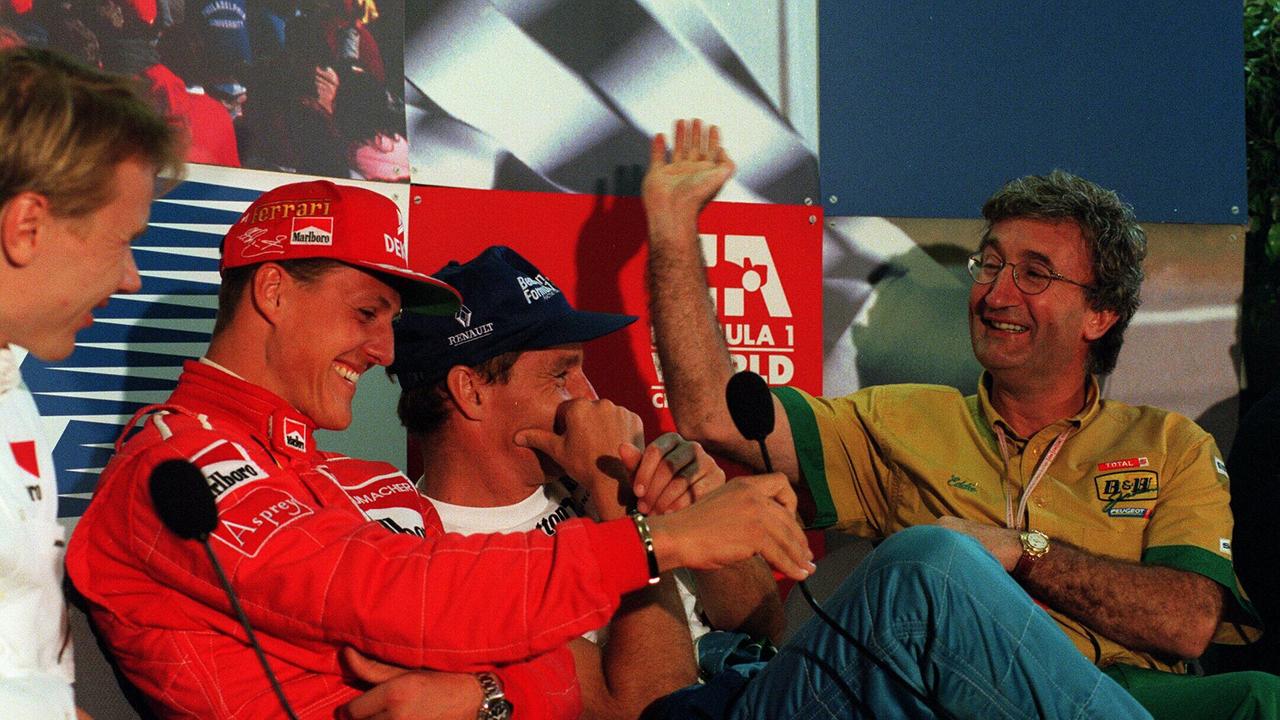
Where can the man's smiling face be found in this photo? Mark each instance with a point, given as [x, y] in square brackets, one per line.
[333, 329]
[1019, 336]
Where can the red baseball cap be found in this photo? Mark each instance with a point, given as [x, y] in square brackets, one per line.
[321, 219]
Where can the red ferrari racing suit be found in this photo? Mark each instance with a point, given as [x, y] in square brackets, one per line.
[304, 538]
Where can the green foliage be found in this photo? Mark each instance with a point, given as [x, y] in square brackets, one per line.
[1262, 118]
[1260, 311]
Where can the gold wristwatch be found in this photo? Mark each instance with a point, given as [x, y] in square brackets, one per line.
[1035, 545]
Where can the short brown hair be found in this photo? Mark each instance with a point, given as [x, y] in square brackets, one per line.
[424, 409]
[235, 280]
[65, 127]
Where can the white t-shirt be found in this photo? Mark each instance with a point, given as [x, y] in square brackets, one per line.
[546, 507]
[36, 670]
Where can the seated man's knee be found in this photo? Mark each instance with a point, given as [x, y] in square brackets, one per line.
[928, 543]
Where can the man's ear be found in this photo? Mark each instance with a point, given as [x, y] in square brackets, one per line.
[268, 290]
[468, 390]
[1098, 323]
[21, 221]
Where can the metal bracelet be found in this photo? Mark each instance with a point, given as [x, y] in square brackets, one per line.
[646, 537]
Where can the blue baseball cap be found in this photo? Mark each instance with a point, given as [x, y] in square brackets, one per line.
[508, 304]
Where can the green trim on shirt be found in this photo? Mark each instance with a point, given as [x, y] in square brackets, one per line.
[808, 444]
[1202, 562]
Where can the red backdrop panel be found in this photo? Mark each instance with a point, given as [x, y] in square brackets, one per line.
[764, 266]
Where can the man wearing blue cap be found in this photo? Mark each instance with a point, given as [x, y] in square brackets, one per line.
[496, 390]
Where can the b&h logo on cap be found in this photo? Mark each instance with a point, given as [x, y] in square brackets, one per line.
[312, 231]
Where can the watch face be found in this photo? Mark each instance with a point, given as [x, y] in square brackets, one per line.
[1037, 542]
[500, 709]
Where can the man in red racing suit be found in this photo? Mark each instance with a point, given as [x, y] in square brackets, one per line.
[304, 535]
[315, 575]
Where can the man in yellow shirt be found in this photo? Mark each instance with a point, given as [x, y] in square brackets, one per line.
[1113, 518]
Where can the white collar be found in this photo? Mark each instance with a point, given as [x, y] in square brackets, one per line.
[216, 366]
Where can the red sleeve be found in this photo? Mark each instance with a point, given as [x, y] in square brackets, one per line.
[544, 687]
[311, 573]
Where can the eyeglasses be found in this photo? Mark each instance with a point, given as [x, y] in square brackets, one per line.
[1031, 277]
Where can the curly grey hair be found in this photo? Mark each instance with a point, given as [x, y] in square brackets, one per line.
[1117, 244]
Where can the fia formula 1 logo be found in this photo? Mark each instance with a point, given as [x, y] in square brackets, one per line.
[756, 315]
[745, 269]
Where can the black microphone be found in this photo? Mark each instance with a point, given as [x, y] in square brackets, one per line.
[751, 408]
[183, 501]
[185, 505]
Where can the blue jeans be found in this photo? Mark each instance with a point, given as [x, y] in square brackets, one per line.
[950, 634]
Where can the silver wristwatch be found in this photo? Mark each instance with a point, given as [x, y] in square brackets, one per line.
[496, 706]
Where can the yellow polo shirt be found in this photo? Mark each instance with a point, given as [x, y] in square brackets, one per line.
[1132, 483]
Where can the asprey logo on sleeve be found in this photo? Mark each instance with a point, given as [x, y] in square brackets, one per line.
[251, 519]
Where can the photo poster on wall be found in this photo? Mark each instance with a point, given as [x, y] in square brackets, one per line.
[652, 62]
[315, 88]
[133, 353]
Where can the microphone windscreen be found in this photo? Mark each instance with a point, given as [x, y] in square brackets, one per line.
[750, 405]
[183, 499]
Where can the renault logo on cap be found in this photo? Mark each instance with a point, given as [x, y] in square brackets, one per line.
[463, 316]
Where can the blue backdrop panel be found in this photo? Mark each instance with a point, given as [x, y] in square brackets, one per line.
[927, 107]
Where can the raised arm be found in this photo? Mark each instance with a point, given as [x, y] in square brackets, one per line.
[695, 362]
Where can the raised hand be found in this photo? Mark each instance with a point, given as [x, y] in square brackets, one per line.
[676, 190]
[670, 474]
[585, 443]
